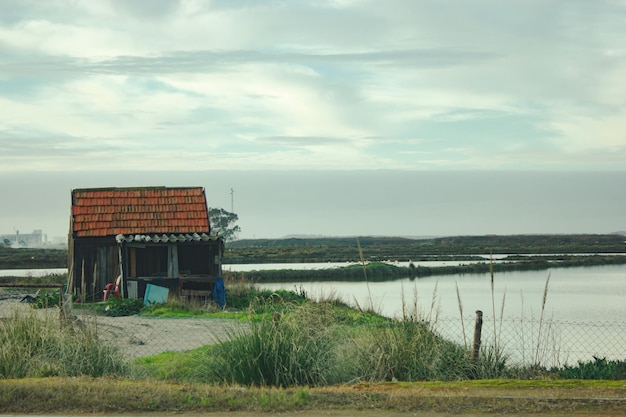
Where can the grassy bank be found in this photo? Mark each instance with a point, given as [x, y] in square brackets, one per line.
[294, 355]
[380, 271]
[27, 258]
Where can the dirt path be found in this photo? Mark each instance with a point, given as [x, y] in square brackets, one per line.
[139, 336]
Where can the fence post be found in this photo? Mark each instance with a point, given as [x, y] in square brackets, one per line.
[477, 332]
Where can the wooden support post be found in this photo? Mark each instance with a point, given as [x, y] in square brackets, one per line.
[93, 282]
[62, 315]
[70, 280]
[477, 332]
[133, 262]
[120, 259]
[172, 261]
[83, 285]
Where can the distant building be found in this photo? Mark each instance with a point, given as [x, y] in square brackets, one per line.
[17, 239]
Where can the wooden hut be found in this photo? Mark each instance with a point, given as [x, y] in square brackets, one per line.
[146, 235]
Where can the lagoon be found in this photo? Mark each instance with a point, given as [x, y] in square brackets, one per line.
[31, 272]
[331, 265]
[595, 293]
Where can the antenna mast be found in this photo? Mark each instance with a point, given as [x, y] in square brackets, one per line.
[232, 200]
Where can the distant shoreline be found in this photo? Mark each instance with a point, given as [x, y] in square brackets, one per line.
[349, 249]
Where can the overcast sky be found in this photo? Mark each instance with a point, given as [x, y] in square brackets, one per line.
[308, 101]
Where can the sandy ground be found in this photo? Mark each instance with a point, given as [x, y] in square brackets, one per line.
[137, 336]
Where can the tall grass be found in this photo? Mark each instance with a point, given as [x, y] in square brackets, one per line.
[460, 304]
[411, 348]
[316, 343]
[493, 298]
[280, 350]
[493, 354]
[32, 346]
[370, 305]
[408, 351]
[543, 311]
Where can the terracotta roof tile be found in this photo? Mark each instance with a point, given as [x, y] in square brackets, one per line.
[113, 211]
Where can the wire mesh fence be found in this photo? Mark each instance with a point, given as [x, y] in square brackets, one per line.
[531, 341]
[142, 336]
[524, 341]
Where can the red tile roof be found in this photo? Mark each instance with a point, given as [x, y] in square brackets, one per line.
[145, 210]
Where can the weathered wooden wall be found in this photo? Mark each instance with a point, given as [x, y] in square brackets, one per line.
[95, 264]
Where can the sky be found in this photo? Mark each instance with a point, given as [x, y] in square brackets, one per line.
[338, 117]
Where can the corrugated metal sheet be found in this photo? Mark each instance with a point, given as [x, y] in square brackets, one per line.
[146, 210]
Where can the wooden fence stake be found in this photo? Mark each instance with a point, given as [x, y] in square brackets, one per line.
[478, 328]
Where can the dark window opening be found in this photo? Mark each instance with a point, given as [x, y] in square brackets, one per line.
[194, 259]
[150, 261]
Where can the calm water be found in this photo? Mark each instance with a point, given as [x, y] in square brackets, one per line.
[576, 294]
[31, 272]
[332, 265]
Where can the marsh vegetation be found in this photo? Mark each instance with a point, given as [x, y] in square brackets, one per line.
[289, 340]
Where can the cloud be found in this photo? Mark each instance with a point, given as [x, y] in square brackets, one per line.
[319, 84]
[298, 141]
[583, 132]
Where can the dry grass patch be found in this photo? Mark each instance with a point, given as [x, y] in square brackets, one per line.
[88, 395]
